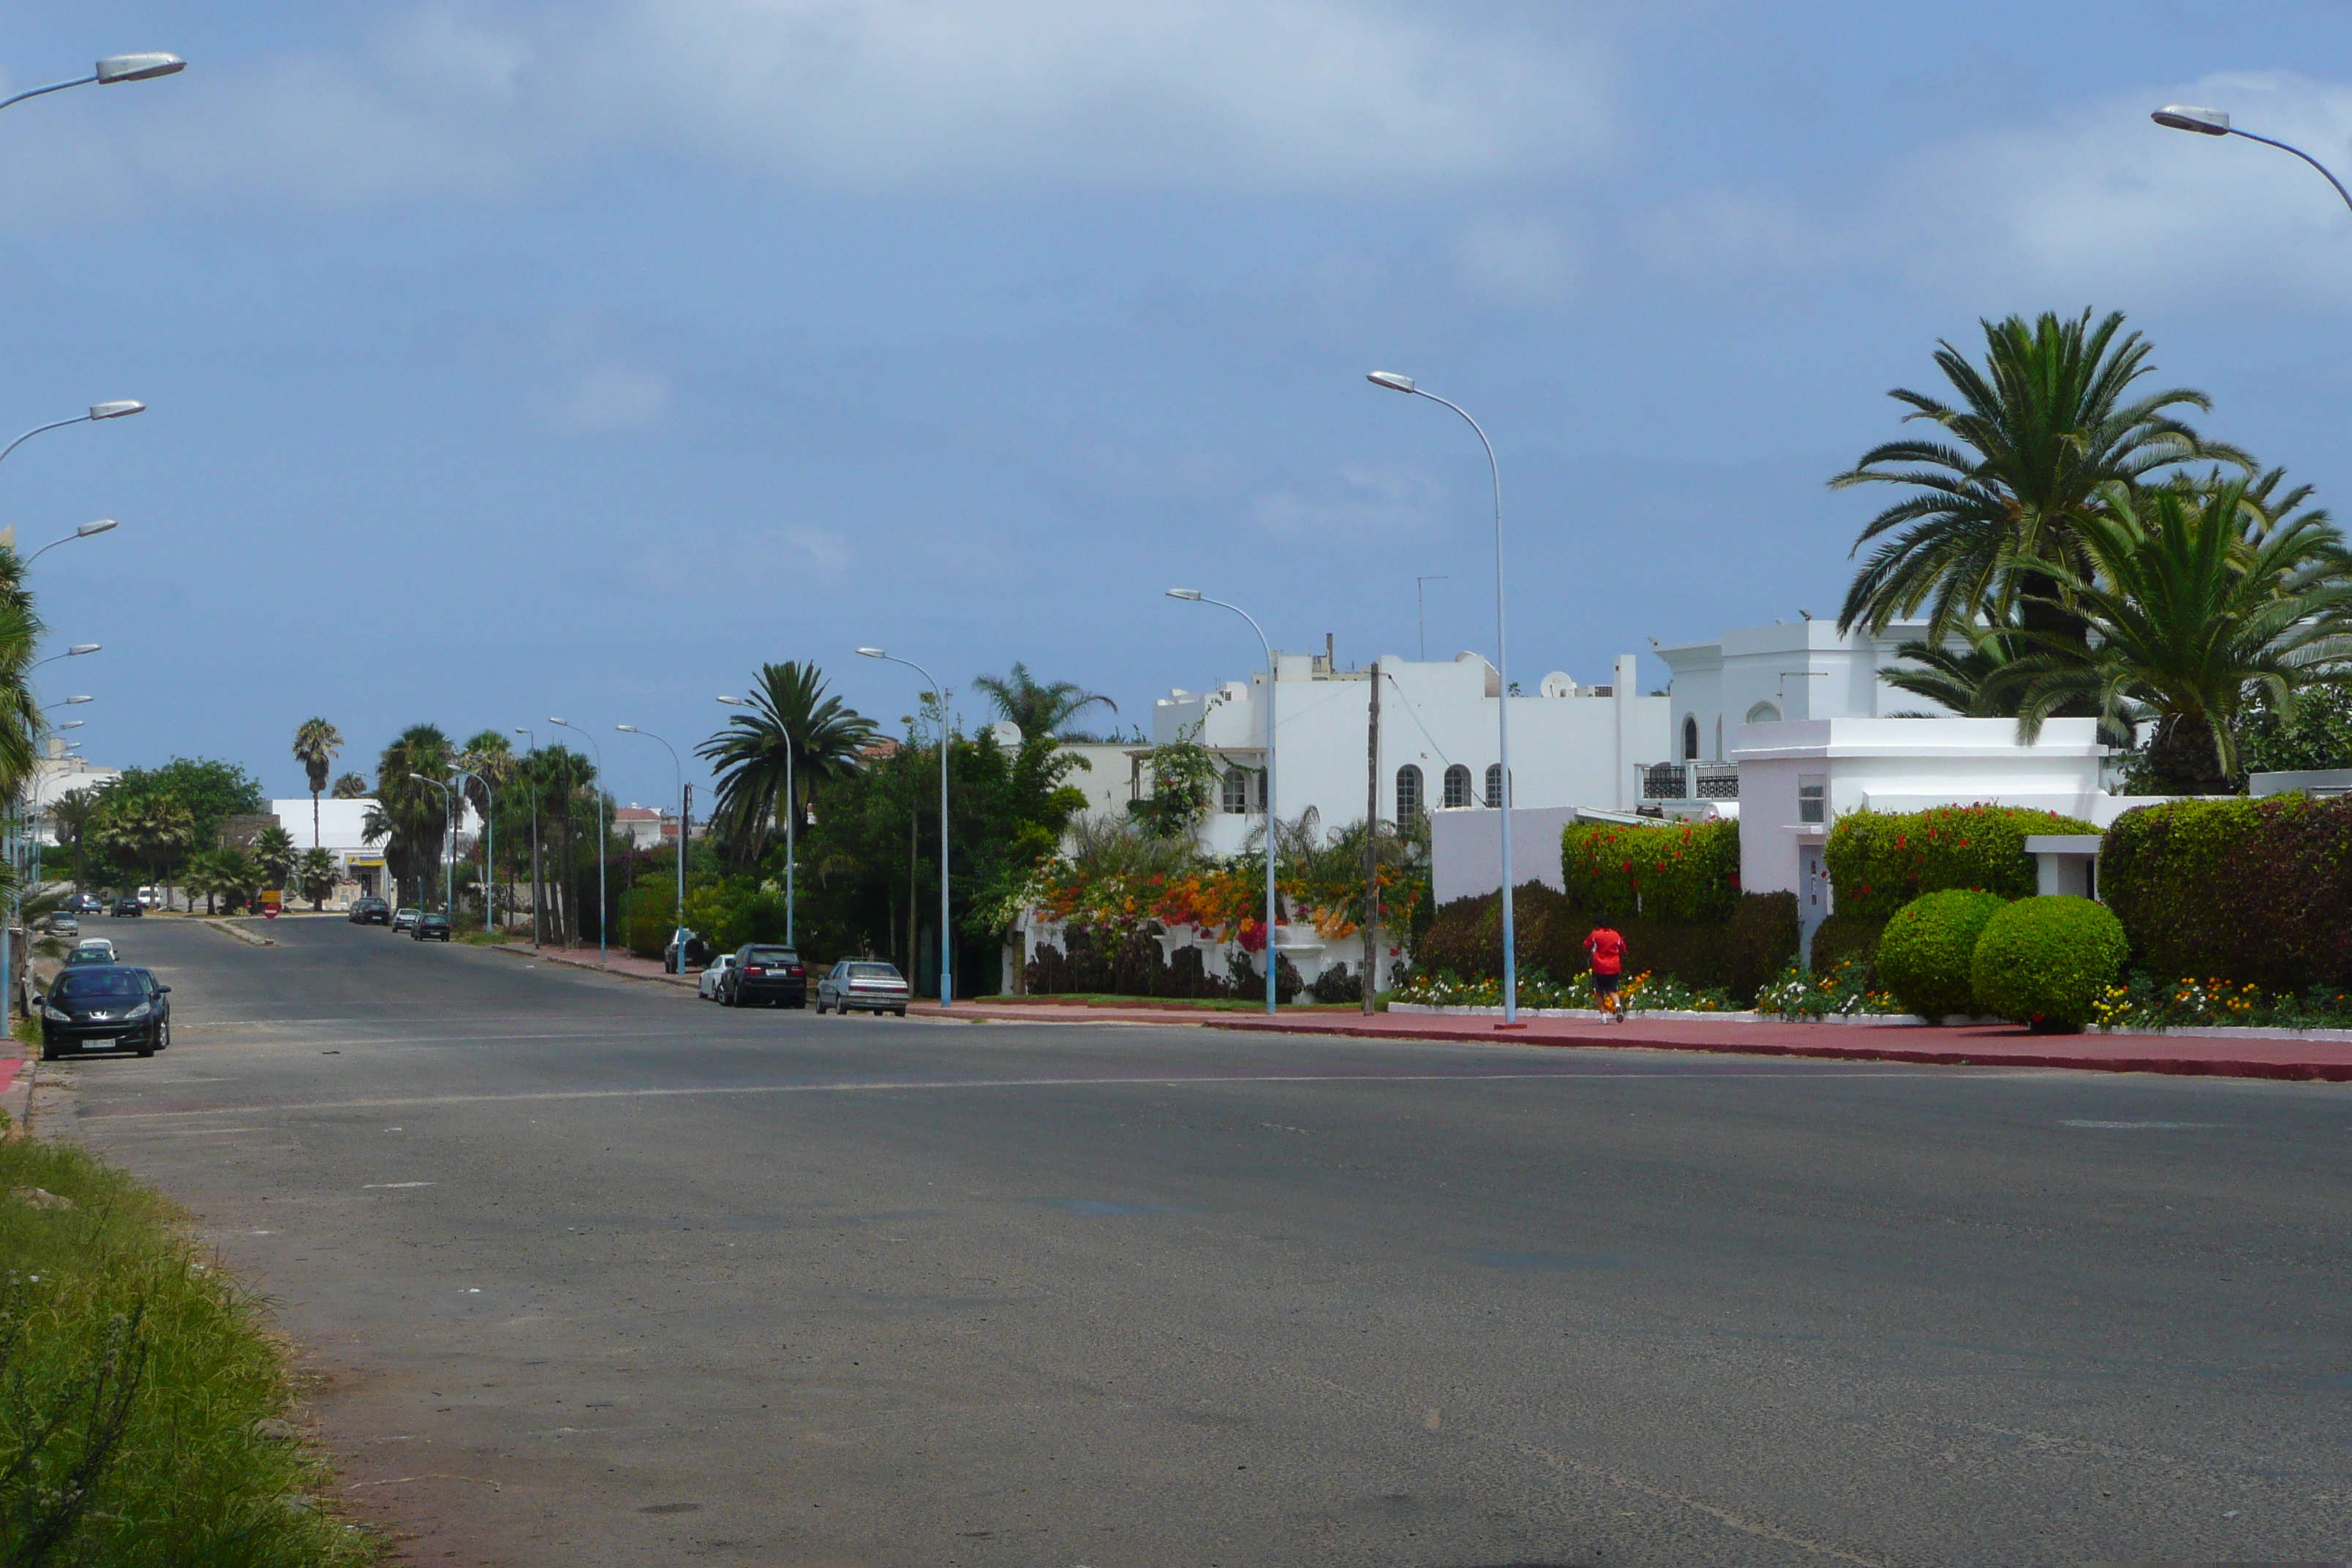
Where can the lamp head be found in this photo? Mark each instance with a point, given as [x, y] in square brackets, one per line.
[82, 647]
[2190, 117]
[100, 526]
[420, 778]
[1390, 380]
[873, 653]
[139, 67]
[559, 721]
[1190, 595]
[520, 730]
[117, 410]
[71, 702]
[70, 724]
[734, 701]
[627, 729]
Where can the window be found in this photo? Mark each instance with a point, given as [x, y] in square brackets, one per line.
[1457, 787]
[1764, 713]
[1690, 739]
[1235, 794]
[1408, 805]
[1812, 797]
[1493, 787]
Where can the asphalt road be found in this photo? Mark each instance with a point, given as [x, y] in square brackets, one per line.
[599, 1274]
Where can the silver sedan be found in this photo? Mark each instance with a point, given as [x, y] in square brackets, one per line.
[864, 985]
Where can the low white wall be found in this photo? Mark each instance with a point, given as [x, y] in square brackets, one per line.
[1465, 851]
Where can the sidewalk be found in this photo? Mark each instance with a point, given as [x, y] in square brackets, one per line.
[618, 961]
[1998, 1045]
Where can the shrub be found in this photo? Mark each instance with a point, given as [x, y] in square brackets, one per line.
[648, 915]
[1687, 873]
[1879, 861]
[1924, 957]
[2260, 891]
[1843, 938]
[1738, 954]
[2048, 961]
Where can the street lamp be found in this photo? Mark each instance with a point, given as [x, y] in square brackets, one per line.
[97, 411]
[102, 526]
[791, 821]
[489, 839]
[449, 867]
[1273, 677]
[71, 702]
[110, 70]
[1396, 383]
[76, 651]
[601, 962]
[678, 936]
[536, 891]
[947, 932]
[2214, 122]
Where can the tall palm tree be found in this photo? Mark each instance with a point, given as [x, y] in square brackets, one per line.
[316, 745]
[2195, 614]
[1039, 709]
[410, 816]
[790, 716]
[2025, 458]
[21, 724]
[71, 815]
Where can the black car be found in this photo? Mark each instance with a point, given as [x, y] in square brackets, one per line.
[773, 976]
[107, 1006]
[371, 912]
[431, 926]
[128, 909]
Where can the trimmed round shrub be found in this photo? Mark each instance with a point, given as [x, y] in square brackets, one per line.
[1926, 953]
[2046, 960]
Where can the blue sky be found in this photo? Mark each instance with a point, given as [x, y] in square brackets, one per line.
[510, 359]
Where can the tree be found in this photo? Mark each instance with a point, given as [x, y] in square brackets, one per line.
[226, 873]
[2041, 435]
[2197, 609]
[274, 852]
[790, 716]
[210, 790]
[316, 744]
[72, 814]
[21, 724]
[410, 817]
[316, 874]
[1039, 711]
[146, 829]
[351, 787]
[1185, 777]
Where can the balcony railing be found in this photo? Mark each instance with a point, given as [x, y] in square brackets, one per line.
[1689, 781]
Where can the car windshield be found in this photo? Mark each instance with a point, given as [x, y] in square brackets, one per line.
[873, 971]
[98, 982]
[90, 956]
[771, 955]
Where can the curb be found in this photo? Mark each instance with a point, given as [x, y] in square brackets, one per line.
[251, 939]
[16, 1093]
[524, 949]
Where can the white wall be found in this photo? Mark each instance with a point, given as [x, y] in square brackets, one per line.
[1805, 670]
[1465, 851]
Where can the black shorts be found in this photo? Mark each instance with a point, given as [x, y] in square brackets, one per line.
[1602, 985]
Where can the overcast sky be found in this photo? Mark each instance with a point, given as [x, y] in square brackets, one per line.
[509, 360]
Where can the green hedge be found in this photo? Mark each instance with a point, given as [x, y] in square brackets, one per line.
[2257, 890]
[1686, 873]
[1927, 951]
[1879, 861]
[648, 915]
[2048, 961]
[1742, 953]
[1842, 936]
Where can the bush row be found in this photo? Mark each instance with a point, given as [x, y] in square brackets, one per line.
[1741, 953]
[2047, 961]
[1880, 861]
[2260, 891]
[1684, 874]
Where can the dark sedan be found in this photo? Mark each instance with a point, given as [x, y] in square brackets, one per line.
[431, 926]
[128, 909]
[371, 912]
[105, 1006]
[770, 975]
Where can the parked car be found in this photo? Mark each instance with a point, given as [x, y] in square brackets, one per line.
[63, 924]
[708, 987]
[698, 952]
[371, 912]
[125, 908]
[765, 976]
[864, 985]
[431, 926]
[403, 920]
[86, 904]
[102, 946]
[108, 1007]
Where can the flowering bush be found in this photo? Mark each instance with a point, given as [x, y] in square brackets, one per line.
[1839, 994]
[1686, 872]
[2140, 1002]
[1879, 861]
[1643, 993]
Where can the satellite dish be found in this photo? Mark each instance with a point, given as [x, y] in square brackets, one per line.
[1007, 735]
[1558, 684]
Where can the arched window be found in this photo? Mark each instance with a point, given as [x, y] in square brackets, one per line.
[1234, 795]
[1690, 738]
[1493, 787]
[1408, 794]
[1764, 713]
[1457, 786]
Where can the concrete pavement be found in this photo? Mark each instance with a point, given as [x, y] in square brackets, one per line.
[594, 1273]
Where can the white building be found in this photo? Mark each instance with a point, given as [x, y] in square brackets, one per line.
[1438, 747]
[341, 831]
[59, 773]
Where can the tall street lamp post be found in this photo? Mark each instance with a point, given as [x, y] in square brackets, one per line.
[1272, 678]
[489, 839]
[1404, 383]
[534, 833]
[97, 411]
[448, 858]
[103, 525]
[601, 960]
[791, 821]
[678, 934]
[2214, 122]
[110, 70]
[947, 932]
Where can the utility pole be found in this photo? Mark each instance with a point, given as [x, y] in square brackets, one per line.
[1372, 844]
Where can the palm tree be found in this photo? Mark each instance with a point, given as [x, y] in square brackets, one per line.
[316, 875]
[1038, 711]
[316, 744]
[72, 814]
[410, 816]
[146, 830]
[2038, 436]
[1972, 679]
[351, 787]
[274, 851]
[2197, 606]
[21, 725]
[790, 716]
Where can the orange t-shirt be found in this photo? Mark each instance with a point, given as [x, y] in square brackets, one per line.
[1608, 950]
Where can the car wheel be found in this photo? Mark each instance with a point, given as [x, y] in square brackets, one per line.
[50, 1053]
[901, 1012]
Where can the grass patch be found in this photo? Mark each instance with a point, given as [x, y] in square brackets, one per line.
[137, 1389]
